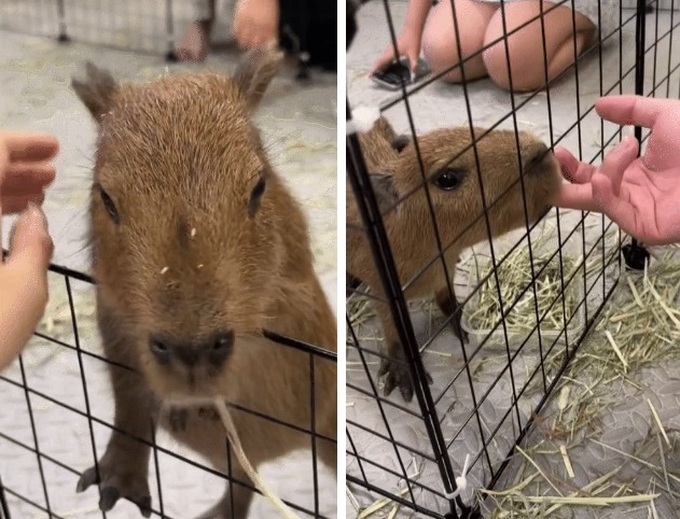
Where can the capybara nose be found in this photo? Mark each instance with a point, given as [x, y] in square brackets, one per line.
[213, 350]
[537, 158]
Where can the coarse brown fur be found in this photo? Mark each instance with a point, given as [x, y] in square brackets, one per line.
[398, 184]
[186, 248]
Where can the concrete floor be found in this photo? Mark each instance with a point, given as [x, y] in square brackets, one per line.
[298, 124]
[443, 105]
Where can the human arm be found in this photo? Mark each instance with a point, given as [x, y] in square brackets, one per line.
[25, 172]
[410, 37]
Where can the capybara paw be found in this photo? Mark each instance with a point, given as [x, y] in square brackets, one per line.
[397, 375]
[114, 483]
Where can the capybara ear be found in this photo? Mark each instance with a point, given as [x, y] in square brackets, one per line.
[96, 91]
[400, 142]
[385, 191]
[256, 71]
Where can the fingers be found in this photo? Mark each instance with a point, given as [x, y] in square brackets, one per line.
[26, 178]
[632, 110]
[576, 196]
[413, 61]
[572, 169]
[250, 39]
[31, 246]
[28, 147]
[16, 204]
[606, 185]
[616, 208]
[386, 58]
[578, 193]
[617, 161]
[24, 282]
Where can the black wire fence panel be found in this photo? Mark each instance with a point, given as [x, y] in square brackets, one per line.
[153, 27]
[57, 418]
[466, 296]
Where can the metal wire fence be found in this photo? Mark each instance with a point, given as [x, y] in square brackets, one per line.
[428, 221]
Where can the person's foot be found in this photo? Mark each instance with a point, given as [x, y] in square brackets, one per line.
[194, 46]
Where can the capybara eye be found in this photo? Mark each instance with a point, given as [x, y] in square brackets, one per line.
[449, 179]
[255, 196]
[110, 206]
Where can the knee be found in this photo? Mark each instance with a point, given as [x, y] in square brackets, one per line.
[518, 58]
[440, 54]
[522, 67]
[524, 55]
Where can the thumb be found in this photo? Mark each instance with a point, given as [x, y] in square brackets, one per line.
[30, 243]
[568, 163]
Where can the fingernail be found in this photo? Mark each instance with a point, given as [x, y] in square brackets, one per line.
[36, 216]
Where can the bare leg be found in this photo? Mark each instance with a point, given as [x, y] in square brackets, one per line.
[526, 47]
[439, 38]
[194, 46]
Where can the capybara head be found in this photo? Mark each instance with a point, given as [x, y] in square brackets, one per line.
[185, 225]
[454, 186]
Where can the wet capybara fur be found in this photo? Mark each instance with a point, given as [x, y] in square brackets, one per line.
[198, 247]
[458, 207]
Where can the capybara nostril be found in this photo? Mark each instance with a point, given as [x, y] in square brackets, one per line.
[536, 158]
[220, 347]
[160, 349]
[215, 349]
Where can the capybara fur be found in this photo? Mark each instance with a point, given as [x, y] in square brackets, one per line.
[199, 247]
[458, 207]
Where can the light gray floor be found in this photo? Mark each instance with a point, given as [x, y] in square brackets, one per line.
[443, 105]
[298, 123]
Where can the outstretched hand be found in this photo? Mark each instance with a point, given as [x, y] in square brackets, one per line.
[25, 172]
[641, 194]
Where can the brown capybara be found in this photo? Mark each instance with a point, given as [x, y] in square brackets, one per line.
[198, 246]
[458, 207]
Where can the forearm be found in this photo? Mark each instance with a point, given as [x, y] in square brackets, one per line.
[416, 15]
[13, 332]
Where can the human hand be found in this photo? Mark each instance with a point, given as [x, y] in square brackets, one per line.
[24, 174]
[25, 170]
[408, 45]
[256, 22]
[640, 194]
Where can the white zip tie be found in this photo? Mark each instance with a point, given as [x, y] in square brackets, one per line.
[245, 464]
[363, 119]
[461, 481]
